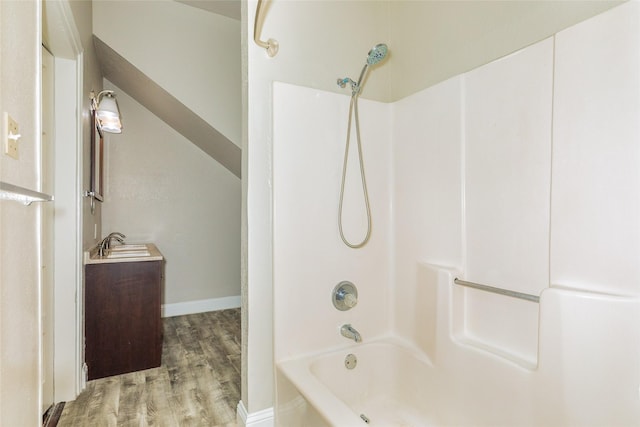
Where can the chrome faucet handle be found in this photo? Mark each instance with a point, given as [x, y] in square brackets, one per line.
[105, 244]
[345, 296]
[112, 238]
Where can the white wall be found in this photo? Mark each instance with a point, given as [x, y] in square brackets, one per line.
[19, 225]
[309, 257]
[595, 241]
[507, 192]
[313, 51]
[427, 191]
[192, 54]
[161, 188]
[547, 151]
[547, 187]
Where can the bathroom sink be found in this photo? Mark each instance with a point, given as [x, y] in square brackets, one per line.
[131, 253]
[132, 247]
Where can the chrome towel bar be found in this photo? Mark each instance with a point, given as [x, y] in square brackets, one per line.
[514, 294]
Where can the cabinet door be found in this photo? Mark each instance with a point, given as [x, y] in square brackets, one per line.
[123, 328]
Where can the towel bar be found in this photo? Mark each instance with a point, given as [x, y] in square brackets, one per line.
[514, 294]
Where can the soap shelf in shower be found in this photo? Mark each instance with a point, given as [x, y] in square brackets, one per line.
[506, 328]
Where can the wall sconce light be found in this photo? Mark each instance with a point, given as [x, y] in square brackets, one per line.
[107, 111]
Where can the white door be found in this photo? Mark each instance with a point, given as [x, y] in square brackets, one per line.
[46, 229]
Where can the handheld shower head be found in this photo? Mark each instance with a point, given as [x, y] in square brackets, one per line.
[377, 54]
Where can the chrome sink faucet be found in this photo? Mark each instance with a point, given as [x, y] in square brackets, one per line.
[105, 244]
[350, 332]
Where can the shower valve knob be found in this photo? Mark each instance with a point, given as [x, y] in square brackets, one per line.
[345, 296]
[350, 301]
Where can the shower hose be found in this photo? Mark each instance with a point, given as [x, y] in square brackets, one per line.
[353, 110]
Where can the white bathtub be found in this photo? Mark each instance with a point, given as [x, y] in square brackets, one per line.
[391, 385]
[447, 376]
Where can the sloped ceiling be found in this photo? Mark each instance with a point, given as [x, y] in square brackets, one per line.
[229, 8]
[434, 40]
[161, 101]
[165, 106]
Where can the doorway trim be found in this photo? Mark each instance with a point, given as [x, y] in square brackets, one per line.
[64, 42]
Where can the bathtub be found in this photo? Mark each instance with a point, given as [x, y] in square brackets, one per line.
[579, 380]
[392, 384]
[447, 376]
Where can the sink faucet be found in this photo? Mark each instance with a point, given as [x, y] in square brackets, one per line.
[105, 244]
[349, 331]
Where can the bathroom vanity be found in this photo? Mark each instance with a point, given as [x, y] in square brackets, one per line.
[123, 324]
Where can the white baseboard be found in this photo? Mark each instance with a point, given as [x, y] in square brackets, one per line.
[200, 306]
[262, 418]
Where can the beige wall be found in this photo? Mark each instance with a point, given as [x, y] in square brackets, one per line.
[19, 259]
[161, 188]
[91, 81]
[429, 41]
[192, 54]
[434, 40]
[19, 250]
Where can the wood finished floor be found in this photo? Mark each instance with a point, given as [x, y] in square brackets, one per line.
[198, 383]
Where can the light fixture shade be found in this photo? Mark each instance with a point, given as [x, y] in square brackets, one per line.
[108, 114]
[111, 125]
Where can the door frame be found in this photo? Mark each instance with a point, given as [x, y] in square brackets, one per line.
[64, 42]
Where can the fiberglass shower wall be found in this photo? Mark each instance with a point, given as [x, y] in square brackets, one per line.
[518, 174]
[309, 258]
[525, 174]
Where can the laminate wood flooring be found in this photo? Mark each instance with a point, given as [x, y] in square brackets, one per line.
[197, 385]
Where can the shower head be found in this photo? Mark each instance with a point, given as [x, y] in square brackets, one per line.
[377, 54]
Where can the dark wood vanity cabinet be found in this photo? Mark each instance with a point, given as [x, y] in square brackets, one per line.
[123, 324]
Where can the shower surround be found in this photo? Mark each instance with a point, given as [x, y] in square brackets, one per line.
[522, 174]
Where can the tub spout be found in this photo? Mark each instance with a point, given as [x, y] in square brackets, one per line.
[349, 331]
